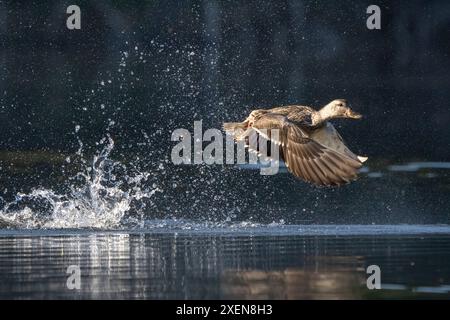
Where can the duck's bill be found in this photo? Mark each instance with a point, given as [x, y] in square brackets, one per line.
[353, 115]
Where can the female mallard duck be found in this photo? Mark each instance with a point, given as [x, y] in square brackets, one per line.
[309, 145]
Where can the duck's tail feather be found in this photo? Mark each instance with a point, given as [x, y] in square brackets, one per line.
[231, 126]
[238, 129]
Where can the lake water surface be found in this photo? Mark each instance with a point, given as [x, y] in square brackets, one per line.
[134, 238]
[259, 262]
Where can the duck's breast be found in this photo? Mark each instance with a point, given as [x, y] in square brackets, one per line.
[329, 137]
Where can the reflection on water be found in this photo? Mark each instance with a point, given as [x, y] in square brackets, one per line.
[294, 283]
[416, 166]
[215, 266]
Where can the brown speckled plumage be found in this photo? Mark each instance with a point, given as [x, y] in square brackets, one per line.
[309, 145]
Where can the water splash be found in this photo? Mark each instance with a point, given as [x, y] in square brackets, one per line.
[102, 196]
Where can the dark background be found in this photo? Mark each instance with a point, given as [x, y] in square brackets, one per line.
[141, 68]
[214, 60]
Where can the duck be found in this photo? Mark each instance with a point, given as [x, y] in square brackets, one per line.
[308, 143]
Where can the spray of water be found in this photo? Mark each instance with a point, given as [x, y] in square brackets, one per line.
[101, 195]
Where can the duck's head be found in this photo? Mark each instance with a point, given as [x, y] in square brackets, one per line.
[338, 109]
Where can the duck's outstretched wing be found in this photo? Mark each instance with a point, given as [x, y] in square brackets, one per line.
[304, 157]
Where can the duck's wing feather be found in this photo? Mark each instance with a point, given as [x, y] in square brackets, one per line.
[329, 137]
[304, 157]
